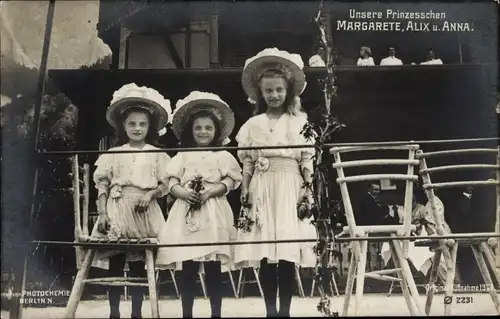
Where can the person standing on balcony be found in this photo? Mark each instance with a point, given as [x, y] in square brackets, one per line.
[128, 185]
[318, 60]
[391, 59]
[431, 59]
[273, 179]
[201, 214]
[365, 58]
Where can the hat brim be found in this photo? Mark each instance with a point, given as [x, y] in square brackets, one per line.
[114, 111]
[249, 78]
[181, 116]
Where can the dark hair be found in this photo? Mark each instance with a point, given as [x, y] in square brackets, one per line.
[371, 183]
[292, 102]
[317, 46]
[187, 138]
[121, 137]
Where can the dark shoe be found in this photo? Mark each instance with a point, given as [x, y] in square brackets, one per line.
[114, 317]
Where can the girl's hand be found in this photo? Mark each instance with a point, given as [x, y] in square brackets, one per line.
[103, 224]
[143, 203]
[310, 197]
[244, 196]
[305, 196]
[191, 197]
[204, 197]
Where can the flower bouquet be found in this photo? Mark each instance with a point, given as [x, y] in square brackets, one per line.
[196, 185]
[114, 232]
[305, 207]
[245, 222]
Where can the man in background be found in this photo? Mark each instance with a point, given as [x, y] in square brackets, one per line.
[391, 59]
[369, 210]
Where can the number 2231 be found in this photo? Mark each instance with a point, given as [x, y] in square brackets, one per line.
[465, 300]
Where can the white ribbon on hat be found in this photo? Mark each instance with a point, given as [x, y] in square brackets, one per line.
[292, 57]
[133, 90]
[226, 141]
[197, 95]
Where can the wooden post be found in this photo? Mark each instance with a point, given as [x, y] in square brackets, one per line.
[86, 199]
[187, 46]
[16, 307]
[75, 177]
[497, 224]
[408, 205]
[153, 295]
[124, 47]
[214, 37]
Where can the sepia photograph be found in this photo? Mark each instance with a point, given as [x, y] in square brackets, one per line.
[168, 159]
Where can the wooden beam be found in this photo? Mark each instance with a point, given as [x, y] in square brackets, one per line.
[124, 46]
[187, 44]
[214, 41]
[173, 52]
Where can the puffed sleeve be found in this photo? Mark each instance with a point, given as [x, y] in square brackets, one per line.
[174, 171]
[306, 154]
[162, 162]
[243, 138]
[103, 174]
[231, 172]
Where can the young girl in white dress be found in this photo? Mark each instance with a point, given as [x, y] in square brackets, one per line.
[200, 120]
[423, 218]
[273, 179]
[431, 59]
[365, 58]
[129, 183]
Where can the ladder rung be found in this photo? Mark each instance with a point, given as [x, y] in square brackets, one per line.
[111, 279]
[385, 271]
[458, 167]
[375, 162]
[457, 151]
[372, 177]
[381, 277]
[118, 283]
[380, 228]
[460, 184]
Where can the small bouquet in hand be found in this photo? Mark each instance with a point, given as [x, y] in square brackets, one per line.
[245, 222]
[114, 232]
[304, 209]
[196, 185]
[305, 205]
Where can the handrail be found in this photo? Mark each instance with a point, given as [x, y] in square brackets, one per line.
[236, 148]
[282, 241]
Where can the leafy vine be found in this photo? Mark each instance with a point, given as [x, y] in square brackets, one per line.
[321, 130]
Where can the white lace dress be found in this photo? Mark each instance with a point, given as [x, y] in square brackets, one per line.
[213, 222]
[274, 191]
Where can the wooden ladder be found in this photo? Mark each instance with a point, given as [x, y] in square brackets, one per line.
[399, 248]
[87, 246]
[448, 248]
